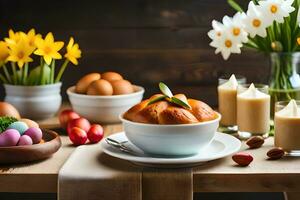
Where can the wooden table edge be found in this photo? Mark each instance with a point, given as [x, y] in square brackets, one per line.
[29, 183]
[268, 182]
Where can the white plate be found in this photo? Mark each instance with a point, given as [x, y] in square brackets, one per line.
[223, 145]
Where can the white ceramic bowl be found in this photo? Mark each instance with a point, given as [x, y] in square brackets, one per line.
[104, 109]
[171, 140]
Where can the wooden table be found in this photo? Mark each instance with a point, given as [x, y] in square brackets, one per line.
[217, 176]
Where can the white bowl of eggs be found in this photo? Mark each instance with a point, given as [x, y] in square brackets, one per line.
[103, 97]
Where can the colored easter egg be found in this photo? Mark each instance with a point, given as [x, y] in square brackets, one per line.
[19, 126]
[30, 123]
[35, 134]
[10, 137]
[25, 140]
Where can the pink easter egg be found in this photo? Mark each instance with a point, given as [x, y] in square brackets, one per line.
[10, 137]
[25, 140]
[35, 134]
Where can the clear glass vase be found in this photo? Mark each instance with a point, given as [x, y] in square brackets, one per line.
[284, 81]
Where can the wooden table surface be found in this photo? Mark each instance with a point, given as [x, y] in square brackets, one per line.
[217, 176]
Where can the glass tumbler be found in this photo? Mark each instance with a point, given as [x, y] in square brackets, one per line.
[253, 111]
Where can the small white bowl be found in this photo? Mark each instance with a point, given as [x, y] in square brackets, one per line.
[104, 109]
[171, 140]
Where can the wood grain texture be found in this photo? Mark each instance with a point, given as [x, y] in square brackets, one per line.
[217, 176]
[41, 176]
[167, 184]
[262, 175]
[292, 195]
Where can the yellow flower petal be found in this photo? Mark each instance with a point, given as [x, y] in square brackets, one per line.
[73, 60]
[38, 52]
[49, 37]
[71, 43]
[56, 55]
[31, 32]
[48, 59]
[11, 33]
[20, 64]
[58, 45]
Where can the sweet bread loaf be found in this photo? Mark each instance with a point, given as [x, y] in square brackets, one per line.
[164, 111]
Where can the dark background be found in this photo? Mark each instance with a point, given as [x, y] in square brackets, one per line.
[146, 41]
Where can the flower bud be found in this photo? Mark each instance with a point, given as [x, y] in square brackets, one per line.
[276, 46]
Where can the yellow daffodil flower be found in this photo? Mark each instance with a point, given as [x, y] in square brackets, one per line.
[73, 52]
[48, 48]
[4, 52]
[20, 52]
[13, 37]
[31, 36]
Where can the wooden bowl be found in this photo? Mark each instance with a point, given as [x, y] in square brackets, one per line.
[22, 154]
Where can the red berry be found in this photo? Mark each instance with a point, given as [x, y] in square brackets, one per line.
[95, 134]
[243, 159]
[82, 123]
[65, 116]
[78, 136]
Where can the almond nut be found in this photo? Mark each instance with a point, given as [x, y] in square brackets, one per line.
[275, 153]
[243, 159]
[255, 142]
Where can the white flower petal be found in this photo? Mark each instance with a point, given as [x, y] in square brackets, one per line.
[225, 54]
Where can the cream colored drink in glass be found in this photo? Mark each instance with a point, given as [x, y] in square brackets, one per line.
[253, 112]
[227, 101]
[287, 127]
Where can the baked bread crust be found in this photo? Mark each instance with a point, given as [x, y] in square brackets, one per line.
[164, 112]
[176, 115]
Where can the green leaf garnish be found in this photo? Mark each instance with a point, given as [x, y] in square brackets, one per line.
[162, 97]
[5, 122]
[235, 5]
[165, 90]
[180, 103]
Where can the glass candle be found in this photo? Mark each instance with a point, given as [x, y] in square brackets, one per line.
[227, 91]
[287, 126]
[253, 110]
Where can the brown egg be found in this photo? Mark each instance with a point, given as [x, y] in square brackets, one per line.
[111, 76]
[30, 123]
[7, 109]
[122, 87]
[84, 82]
[100, 87]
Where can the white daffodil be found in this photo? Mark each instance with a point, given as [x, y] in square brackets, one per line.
[277, 9]
[234, 26]
[256, 21]
[227, 44]
[217, 30]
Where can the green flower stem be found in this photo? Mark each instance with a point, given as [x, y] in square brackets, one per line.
[281, 88]
[25, 74]
[3, 79]
[6, 74]
[41, 81]
[15, 75]
[52, 71]
[21, 75]
[61, 71]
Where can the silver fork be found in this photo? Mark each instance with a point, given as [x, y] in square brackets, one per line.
[120, 145]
